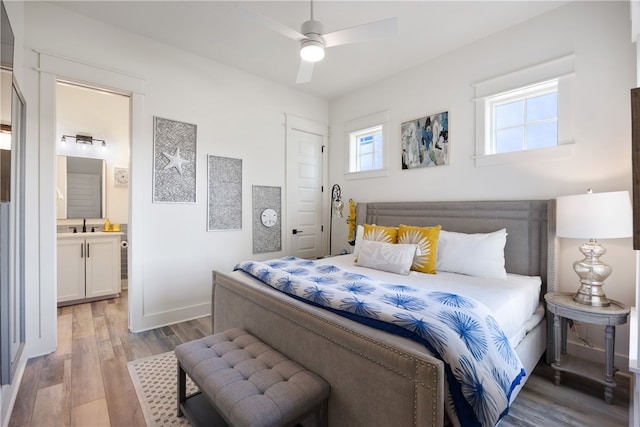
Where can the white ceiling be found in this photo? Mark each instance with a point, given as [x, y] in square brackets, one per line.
[427, 29]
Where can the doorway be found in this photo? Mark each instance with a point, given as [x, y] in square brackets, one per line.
[306, 179]
[92, 146]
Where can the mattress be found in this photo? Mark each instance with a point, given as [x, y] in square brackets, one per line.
[514, 301]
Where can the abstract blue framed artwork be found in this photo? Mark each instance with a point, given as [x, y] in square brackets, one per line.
[425, 141]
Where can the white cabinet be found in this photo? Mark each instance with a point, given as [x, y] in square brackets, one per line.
[88, 266]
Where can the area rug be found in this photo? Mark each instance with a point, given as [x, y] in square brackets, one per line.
[155, 381]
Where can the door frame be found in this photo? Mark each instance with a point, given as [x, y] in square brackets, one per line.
[52, 69]
[301, 124]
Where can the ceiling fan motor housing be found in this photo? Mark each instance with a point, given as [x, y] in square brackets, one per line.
[312, 30]
[312, 46]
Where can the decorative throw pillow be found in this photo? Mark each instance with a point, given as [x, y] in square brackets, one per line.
[389, 257]
[480, 254]
[426, 238]
[380, 233]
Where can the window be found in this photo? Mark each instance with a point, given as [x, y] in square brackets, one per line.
[525, 115]
[524, 119]
[365, 149]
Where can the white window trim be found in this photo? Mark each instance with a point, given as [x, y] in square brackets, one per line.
[366, 122]
[562, 69]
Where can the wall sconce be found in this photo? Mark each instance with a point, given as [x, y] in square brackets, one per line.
[84, 139]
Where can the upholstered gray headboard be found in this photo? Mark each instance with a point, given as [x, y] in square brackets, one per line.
[530, 224]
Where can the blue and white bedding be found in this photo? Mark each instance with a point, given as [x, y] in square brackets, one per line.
[482, 368]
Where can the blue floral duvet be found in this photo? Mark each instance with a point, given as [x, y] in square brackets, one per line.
[482, 368]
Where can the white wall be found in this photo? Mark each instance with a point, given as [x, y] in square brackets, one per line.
[238, 115]
[598, 33]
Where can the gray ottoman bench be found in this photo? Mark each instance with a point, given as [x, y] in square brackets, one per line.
[246, 383]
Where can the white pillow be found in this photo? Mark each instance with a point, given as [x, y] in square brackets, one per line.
[480, 255]
[359, 237]
[395, 258]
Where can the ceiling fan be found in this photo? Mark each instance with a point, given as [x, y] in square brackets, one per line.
[313, 41]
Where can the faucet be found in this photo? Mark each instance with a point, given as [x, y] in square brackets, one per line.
[84, 225]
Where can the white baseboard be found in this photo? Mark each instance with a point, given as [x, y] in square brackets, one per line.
[183, 314]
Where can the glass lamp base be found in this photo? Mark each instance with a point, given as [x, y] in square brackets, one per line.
[591, 295]
[592, 273]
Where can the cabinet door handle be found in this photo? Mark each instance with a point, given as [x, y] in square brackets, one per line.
[87, 250]
[81, 250]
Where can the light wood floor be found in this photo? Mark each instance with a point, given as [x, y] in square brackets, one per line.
[86, 381]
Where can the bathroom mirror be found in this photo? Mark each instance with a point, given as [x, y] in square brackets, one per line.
[81, 189]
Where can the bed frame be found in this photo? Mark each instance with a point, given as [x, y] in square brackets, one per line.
[377, 378]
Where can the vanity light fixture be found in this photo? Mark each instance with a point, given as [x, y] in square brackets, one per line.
[84, 139]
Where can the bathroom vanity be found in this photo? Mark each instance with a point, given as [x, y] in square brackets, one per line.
[88, 266]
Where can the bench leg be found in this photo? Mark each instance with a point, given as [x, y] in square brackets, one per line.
[182, 389]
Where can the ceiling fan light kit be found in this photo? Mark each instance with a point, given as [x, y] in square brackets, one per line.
[311, 50]
[313, 40]
[312, 47]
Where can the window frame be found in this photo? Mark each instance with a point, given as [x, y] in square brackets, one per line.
[560, 69]
[362, 126]
[505, 98]
[355, 148]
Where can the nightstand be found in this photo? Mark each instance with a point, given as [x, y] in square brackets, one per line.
[562, 306]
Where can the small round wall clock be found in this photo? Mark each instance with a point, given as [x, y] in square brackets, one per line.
[269, 217]
[121, 176]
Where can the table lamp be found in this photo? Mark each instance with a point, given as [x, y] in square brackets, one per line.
[593, 216]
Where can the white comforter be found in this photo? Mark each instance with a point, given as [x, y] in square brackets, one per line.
[513, 301]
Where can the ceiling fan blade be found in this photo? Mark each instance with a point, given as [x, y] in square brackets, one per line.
[267, 22]
[365, 32]
[304, 72]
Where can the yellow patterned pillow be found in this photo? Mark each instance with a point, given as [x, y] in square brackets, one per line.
[380, 233]
[427, 240]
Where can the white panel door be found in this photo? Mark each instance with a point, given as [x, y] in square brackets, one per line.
[304, 192]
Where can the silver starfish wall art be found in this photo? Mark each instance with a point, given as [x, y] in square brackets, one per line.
[174, 161]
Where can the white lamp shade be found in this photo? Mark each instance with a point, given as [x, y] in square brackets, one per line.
[594, 216]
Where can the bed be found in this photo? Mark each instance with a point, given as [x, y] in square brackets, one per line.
[376, 377]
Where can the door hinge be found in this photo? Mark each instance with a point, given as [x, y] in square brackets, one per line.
[321, 228]
[322, 188]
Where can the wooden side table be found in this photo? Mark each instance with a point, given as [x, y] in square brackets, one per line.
[563, 307]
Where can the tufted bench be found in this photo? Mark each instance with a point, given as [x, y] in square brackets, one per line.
[247, 383]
